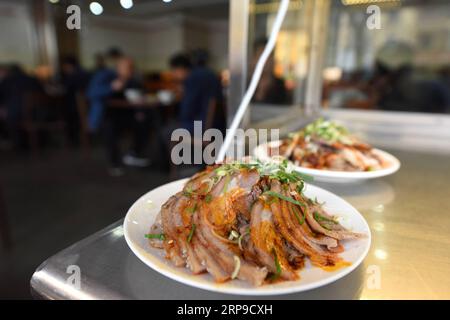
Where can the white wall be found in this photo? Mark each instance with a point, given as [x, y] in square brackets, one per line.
[218, 44]
[17, 43]
[210, 35]
[151, 43]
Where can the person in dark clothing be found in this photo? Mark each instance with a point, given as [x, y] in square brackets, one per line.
[3, 112]
[200, 87]
[403, 92]
[100, 89]
[74, 81]
[271, 88]
[201, 97]
[100, 63]
[119, 119]
[16, 87]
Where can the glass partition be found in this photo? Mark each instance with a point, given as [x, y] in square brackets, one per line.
[390, 55]
[284, 81]
[286, 69]
[394, 55]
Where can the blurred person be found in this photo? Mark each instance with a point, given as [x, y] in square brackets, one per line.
[3, 75]
[99, 62]
[444, 77]
[271, 88]
[3, 113]
[403, 88]
[200, 86]
[404, 91]
[100, 88]
[120, 119]
[74, 81]
[3, 72]
[201, 90]
[351, 91]
[16, 85]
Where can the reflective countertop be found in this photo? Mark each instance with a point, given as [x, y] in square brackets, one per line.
[408, 213]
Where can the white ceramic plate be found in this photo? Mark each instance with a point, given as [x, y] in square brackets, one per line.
[143, 213]
[261, 153]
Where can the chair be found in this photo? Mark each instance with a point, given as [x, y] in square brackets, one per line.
[5, 234]
[37, 108]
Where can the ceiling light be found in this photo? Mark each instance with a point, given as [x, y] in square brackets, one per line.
[53, 1]
[126, 4]
[96, 8]
[167, 1]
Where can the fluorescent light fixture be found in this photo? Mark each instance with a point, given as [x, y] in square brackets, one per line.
[126, 4]
[96, 8]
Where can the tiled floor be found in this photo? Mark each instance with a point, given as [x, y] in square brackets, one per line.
[55, 200]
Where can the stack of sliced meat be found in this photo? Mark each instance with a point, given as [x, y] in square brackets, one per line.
[316, 153]
[246, 225]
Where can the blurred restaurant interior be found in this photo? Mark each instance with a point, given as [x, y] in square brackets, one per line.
[64, 172]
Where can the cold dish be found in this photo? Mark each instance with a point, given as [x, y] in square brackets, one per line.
[249, 221]
[326, 145]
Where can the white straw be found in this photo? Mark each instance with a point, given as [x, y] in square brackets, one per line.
[284, 5]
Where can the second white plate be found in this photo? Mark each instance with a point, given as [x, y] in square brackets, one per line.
[261, 153]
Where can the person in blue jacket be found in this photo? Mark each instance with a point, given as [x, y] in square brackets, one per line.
[100, 88]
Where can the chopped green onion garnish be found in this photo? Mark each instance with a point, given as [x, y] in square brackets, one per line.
[316, 201]
[277, 274]
[187, 192]
[319, 218]
[327, 130]
[283, 197]
[159, 236]
[208, 198]
[226, 183]
[301, 219]
[191, 233]
[273, 170]
[192, 209]
[210, 185]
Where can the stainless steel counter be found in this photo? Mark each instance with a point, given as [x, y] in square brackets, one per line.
[409, 214]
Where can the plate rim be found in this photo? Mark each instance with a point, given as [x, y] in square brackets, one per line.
[257, 291]
[260, 153]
